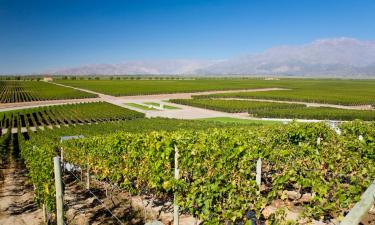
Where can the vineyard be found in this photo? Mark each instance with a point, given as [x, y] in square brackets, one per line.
[278, 110]
[235, 106]
[26, 91]
[52, 136]
[60, 115]
[342, 94]
[309, 172]
[323, 179]
[147, 87]
[320, 113]
[332, 91]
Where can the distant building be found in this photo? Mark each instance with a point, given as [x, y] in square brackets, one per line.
[47, 78]
[271, 78]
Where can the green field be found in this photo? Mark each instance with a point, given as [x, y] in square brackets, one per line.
[278, 110]
[335, 91]
[139, 106]
[137, 125]
[230, 120]
[342, 92]
[26, 91]
[147, 87]
[319, 113]
[235, 106]
[69, 114]
[217, 182]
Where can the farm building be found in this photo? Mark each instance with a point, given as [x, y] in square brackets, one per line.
[48, 78]
[271, 78]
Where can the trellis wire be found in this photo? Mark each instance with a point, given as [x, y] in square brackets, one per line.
[98, 200]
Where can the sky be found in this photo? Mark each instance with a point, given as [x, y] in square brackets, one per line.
[37, 35]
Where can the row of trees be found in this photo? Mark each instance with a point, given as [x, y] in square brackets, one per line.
[122, 78]
[20, 78]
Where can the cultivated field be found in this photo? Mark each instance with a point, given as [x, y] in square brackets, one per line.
[278, 110]
[65, 115]
[26, 91]
[346, 92]
[124, 168]
[343, 92]
[217, 168]
[147, 87]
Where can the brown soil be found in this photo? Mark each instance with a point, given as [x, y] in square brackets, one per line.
[16, 197]
[82, 207]
[97, 206]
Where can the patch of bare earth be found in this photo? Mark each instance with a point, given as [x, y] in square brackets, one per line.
[32, 104]
[16, 197]
[107, 204]
[96, 205]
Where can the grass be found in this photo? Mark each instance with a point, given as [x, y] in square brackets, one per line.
[158, 105]
[138, 106]
[241, 121]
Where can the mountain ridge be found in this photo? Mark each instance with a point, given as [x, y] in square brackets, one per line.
[334, 57]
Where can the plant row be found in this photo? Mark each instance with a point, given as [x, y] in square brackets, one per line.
[44, 145]
[66, 115]
[278, 110]
[235, 106]
[337, 95]
[217, 168]
[26, 91]
[332, 91]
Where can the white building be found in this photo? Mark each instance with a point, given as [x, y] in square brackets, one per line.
[48, 78]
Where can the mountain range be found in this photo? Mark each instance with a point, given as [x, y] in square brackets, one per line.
[335, 57]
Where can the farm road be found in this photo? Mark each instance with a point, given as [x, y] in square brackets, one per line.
[25, 105]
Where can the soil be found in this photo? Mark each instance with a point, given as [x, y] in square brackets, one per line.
[26, 105]
[107, 204]
[17, 206]
[97, 206]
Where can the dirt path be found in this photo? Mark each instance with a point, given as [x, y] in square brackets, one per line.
[26, 105]
[16, 198]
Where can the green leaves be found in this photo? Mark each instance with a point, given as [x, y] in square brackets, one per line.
[217, 167]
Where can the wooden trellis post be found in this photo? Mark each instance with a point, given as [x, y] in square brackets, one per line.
[59, 191]
[258, 177]
[176, 176]
[88, 177]
[361, 208]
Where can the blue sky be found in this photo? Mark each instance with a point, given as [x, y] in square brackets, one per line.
[39, 35]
